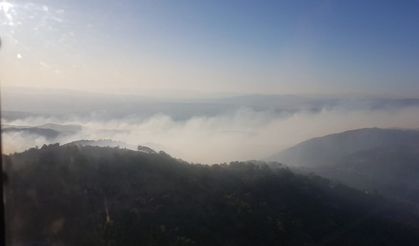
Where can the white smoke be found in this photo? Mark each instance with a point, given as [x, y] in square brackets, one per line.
[244, 134]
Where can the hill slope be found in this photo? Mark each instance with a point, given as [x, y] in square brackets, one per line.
[85, 195]
[383, 160]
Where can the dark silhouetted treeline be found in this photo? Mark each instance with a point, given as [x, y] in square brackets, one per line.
[73, 195]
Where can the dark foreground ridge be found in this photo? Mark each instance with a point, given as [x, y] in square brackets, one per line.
[85, 195]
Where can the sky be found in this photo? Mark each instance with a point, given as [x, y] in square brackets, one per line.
[217, 46]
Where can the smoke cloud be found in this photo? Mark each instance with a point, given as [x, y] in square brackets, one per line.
[241, 135]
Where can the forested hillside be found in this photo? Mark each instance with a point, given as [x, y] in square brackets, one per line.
[84, 195]
[378, 160]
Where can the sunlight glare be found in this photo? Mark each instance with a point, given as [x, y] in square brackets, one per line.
[6, 13]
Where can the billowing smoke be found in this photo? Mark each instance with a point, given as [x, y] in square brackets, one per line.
[239, 135]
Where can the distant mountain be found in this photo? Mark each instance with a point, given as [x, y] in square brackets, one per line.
[37, 131]
[382, 160]
[86, 195]
[18, 103]
[49, 131]
[300, 102]
[63, 128]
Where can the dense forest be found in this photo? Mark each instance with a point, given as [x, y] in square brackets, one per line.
[85, 195]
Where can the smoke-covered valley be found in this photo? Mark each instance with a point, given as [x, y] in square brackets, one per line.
[209, 130]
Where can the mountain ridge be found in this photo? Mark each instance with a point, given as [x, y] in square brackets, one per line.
[121, 197]
[374, 159]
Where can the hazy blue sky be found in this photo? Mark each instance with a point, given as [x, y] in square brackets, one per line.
[212, 46]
